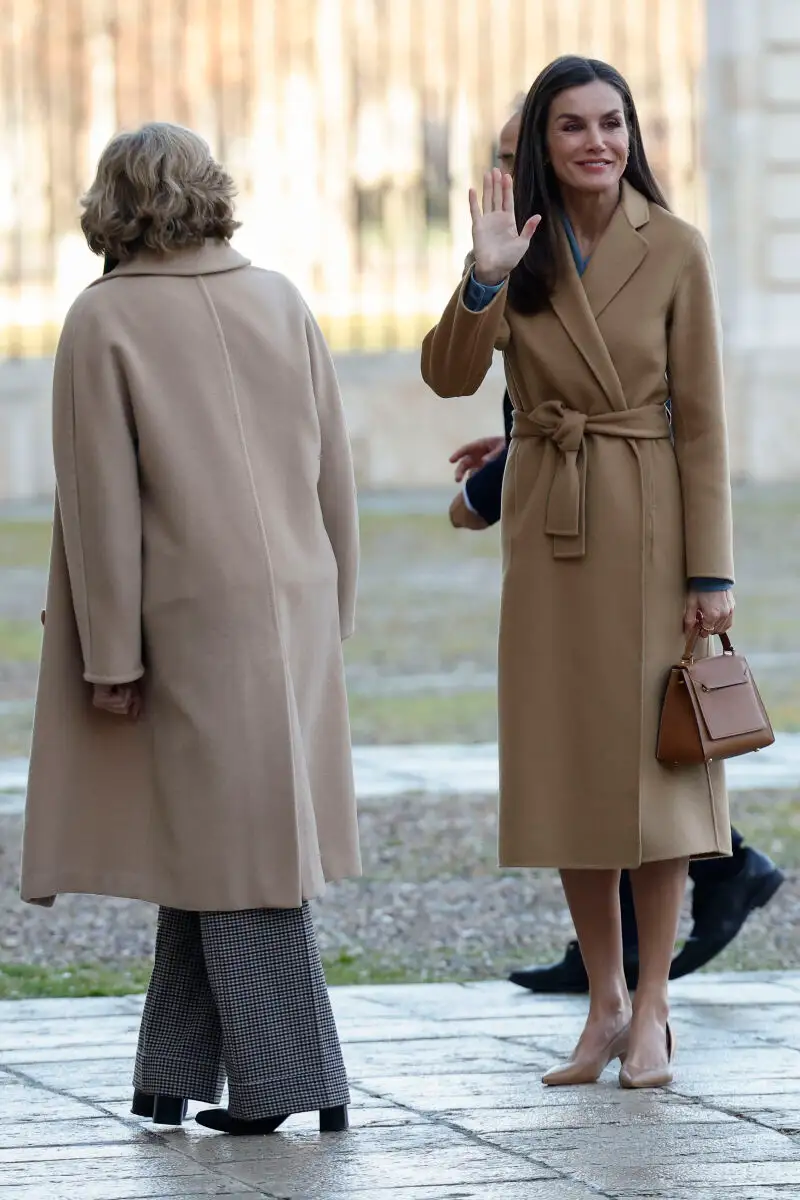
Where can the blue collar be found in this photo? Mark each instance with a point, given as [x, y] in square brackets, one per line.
[581, 263]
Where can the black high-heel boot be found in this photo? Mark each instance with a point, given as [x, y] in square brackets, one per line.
[162, 1110]
[331, 1120]
[334, 1120]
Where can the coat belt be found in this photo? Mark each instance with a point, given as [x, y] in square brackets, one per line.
[567, 429]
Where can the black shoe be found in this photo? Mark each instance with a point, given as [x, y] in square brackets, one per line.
[719, 910]
[331, 1120]
[569, 975]
[163, 1110]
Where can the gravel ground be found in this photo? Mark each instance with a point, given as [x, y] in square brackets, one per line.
[431, 904]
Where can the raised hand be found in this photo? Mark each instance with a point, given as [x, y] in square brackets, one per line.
[497, 245]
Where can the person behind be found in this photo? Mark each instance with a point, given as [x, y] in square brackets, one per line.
[604, 315]
[725, 890]
[191, 744]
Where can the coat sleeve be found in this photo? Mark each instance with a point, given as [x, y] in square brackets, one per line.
[336, 486]
[94, 446]
[457, 353]
[694, 369]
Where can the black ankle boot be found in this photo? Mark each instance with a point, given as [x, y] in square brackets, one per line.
[334, 1120]
[331, 1120]
[163, 1110]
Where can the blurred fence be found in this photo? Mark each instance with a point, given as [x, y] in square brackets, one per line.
[353, 129]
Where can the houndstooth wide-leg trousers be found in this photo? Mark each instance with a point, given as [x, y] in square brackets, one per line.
[241, 994]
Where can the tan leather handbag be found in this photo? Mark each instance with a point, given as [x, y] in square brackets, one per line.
[712, 708]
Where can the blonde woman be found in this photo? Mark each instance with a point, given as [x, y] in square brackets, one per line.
[191, 745]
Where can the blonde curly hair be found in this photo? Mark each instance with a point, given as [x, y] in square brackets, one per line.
[158, 188]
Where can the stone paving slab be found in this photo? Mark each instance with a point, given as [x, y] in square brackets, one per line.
[447, 1105]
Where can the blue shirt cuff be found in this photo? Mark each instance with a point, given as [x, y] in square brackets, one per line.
[467, 501]
[707, 583]
[478, 296]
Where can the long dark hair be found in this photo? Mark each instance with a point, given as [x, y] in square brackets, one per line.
[536, 188]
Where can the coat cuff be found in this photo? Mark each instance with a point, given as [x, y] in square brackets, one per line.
[117, 680]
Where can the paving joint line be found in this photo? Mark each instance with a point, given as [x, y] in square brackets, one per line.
[746, 1118]
[440, 1119]
[102, 1112]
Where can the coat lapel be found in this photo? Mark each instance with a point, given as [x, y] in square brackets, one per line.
[620, 252]
[578, 302]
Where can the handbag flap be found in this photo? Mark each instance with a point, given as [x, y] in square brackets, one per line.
[726, 696]
[720, 671]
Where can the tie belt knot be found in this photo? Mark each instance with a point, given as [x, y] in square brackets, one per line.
[567, 428]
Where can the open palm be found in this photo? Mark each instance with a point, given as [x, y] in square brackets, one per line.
[497, 244]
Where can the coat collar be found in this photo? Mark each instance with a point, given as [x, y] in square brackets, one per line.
[212, 258]
[579, 302]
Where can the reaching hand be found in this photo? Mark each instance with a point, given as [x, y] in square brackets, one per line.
[497, 244]
[474, 455]
[120, 699]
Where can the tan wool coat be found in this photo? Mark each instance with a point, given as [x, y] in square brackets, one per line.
[604, 517]
[206, 543]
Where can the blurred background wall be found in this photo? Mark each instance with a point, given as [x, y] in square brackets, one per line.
[752, 165]
[354, 129]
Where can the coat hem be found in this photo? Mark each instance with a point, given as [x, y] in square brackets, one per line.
[626, 865]
[37, 892]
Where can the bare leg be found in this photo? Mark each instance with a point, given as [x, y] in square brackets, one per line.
[593, 898]
[658, 890]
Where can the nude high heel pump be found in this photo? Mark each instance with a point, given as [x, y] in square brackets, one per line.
[589, 1069]
[653, 1077]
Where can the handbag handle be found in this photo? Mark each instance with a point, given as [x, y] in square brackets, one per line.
[691, 645]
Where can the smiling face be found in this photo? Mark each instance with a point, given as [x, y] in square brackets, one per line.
[587, 137]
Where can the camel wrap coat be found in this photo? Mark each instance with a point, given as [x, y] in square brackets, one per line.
[606, 512]
[205, 543]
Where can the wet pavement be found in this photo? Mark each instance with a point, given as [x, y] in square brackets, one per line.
[447, 1105]
[442, 770]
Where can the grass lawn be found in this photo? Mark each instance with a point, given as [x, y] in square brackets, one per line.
[428, 613]
[22, 982]
[20, 641]
[399, 720]
[24, 543]
[420, 667]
